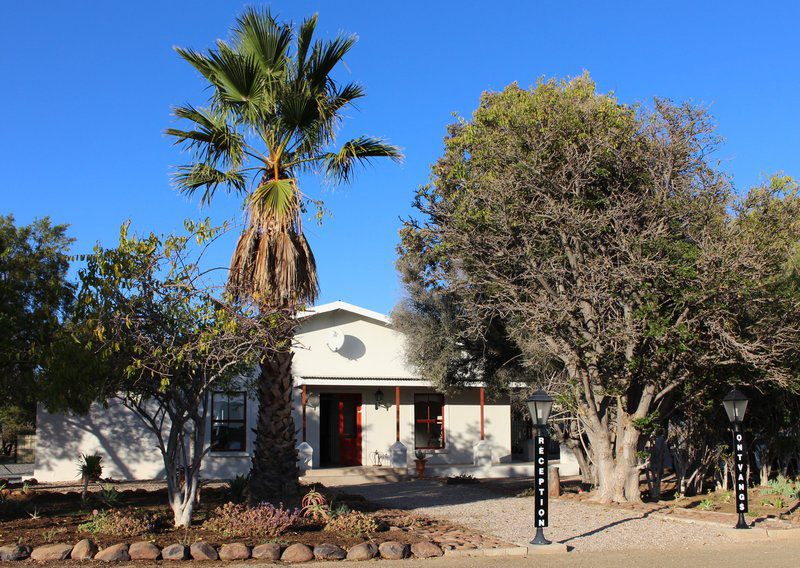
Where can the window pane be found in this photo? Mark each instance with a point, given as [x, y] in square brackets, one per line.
[420, 408]
[435, 409]
[235, 437]
[220, 407]
[421, 436]
[435, 437]
[236, 407]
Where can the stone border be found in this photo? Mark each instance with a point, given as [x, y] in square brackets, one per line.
[200, 551]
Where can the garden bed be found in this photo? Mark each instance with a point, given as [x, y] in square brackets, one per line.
[46, 515]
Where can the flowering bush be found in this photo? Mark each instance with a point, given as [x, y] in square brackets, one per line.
[353, 523]
[262, 521]
[121, 522]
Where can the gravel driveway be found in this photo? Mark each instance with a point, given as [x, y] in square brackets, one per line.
[587, 527]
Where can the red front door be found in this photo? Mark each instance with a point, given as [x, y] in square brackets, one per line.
[350, 429]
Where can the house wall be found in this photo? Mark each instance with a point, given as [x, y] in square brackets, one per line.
[371, 348]
[129, 449]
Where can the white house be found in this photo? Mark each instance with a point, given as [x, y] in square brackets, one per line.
[357, 404]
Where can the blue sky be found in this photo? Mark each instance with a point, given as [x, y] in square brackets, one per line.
[87, 89]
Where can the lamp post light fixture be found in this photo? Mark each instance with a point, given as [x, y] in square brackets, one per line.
[540, 404]
[735, 403]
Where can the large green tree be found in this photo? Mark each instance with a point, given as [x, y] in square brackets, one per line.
[34, 297]
[598, 236]
[273, 115]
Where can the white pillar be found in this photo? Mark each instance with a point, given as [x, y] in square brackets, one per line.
[305, 454]
[398, 455]
[482, 454]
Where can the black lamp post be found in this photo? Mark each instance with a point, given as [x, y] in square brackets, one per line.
[735, 403]
[539, 404]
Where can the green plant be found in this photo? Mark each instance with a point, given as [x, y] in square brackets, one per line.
[779, 503]
[315, 506]
[785, 487]
[122, 522]
[354, 523]
[90, 468]
[262, 521]
[706, 505]
[238, 488]
[52, 534]
[725, 497]
[109, 495]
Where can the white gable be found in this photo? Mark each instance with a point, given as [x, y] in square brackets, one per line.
[370, 346]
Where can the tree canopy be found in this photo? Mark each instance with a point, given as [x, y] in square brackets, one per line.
[600, 242]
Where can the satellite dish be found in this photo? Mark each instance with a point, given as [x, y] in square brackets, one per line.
[335, 340]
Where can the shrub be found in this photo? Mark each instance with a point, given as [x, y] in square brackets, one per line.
[785, 487]
[262, 521]
[353, 524]
[109, 496]
[121, 522]
[238, 488]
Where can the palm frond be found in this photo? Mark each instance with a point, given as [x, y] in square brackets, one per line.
[339, 165]
[304, 37]
[259, 35]
[190, 179]
[325, 57]
[212, 140]
[275, 199]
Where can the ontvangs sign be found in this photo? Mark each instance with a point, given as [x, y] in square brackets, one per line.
[740, 472]
[540, 480]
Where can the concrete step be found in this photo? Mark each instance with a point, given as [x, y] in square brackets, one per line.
[354, 475]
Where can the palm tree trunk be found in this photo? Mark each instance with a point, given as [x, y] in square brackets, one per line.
[275, 472]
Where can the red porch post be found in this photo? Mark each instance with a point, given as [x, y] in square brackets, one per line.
[483, 397]
[397, 406]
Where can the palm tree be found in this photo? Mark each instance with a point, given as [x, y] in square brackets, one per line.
[273, 115]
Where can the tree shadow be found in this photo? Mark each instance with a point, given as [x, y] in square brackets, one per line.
[613, 524]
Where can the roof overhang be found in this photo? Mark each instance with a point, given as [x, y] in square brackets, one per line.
[344, 306]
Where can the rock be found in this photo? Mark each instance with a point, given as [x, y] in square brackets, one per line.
[234, 551]
[425, 549]
[203, 551]
[363, 551]
[175, 552]
[144, 551]
[84, 550]
[297, 553]
[269, 551]
[114, 553]
[393, 550]
[14, 552]
[47, 552]
[327, 551]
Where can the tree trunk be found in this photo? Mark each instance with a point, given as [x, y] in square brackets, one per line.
[617, 475]
[275, 472]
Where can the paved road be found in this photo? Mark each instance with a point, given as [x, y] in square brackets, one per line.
[751, 555]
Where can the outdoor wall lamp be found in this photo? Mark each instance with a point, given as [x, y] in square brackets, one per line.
[735, 403]
[540, 404]
[378, 399]
[313, 400]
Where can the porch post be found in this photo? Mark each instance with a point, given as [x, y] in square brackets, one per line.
[397, 407]
[304, 397]
[483, 396]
